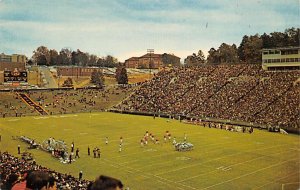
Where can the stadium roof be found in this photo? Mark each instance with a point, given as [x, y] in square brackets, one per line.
[283, 48]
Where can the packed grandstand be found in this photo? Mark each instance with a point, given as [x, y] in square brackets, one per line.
[229, 92]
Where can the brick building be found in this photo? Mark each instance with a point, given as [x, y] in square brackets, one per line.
[76, 71]
[12, 62]
[151, 60]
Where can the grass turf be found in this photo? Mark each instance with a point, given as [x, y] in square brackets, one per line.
[220, 159]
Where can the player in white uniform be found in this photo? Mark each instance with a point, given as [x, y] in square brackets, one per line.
[120, 147]
[174, 141]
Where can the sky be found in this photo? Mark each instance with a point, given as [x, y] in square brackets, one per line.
[127, 28]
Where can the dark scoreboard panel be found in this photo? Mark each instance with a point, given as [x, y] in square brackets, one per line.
[13, 76]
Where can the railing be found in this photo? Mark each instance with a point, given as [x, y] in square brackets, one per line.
[207, 119]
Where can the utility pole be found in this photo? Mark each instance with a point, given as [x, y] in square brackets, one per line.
[150, 51]
[37, 76]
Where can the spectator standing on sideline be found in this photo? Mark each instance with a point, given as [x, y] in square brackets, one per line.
[77, 153]
[94, 151]
[70, 158]
[106, 140]
[80, 175]
[72, 147]
[121, 140]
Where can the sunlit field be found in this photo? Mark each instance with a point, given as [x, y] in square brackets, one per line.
[220, 159]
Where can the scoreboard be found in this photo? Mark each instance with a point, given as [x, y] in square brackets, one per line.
[15, 76]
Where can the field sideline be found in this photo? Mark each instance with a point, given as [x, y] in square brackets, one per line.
[220, 159]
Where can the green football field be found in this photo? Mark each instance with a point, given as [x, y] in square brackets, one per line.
[220, 159]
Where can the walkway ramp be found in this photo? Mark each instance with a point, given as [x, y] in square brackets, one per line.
[31, 103]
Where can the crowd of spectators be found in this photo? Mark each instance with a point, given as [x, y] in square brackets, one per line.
[231, 92]
[19, 174]
[79, 100]
[12, 106]
[62, 101]
[13, 170]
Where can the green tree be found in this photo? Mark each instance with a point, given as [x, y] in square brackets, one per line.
[241, 48]
[92, 60]
[252, 50]
[110, 61]
[228, 53]
[121, 75]
[194, 60]
[200, 56]
[41, 56]
[53, 57]
[100, 62]
[279, 39]
[267, 41]
[213, 56]
[293, 36]
[79, 58]
[64, 57]
[97, 78]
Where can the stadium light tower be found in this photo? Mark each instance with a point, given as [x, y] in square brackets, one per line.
[150, 51]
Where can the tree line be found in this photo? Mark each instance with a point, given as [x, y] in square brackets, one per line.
[249, 50]
[43, 56]
[97, 77]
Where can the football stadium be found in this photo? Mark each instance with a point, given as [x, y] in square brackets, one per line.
[87, 103]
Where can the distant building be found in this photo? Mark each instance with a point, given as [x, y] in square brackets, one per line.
[132, 62]
[151, 60]
[281, 58]
[12, 62]
[76, 71]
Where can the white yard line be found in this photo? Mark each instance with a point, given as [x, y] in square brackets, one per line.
[174, 152]
[192, 165]
[282, 185]
[276, 180]
[241, 176]
[228, 167]
[13, 120]
[159, 179]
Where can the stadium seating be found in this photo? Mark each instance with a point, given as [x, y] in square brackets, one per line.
[11, 165]
[230, 92]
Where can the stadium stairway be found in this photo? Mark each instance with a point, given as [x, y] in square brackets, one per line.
[31, 103]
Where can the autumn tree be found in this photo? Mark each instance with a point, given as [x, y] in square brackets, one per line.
[97, 78]
[228, 53]
[213, 56]
[68, 82]
[195, 59]
[121, 75]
